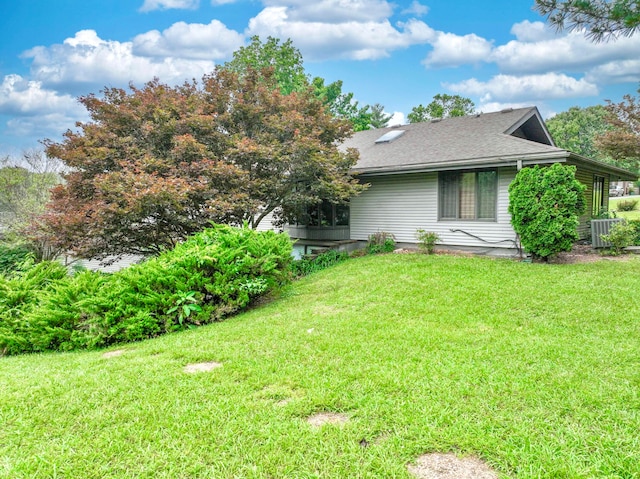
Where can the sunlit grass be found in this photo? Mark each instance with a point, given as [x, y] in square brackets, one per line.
[630, 215]
[534, 368]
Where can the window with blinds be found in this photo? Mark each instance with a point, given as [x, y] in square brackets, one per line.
[468, 195]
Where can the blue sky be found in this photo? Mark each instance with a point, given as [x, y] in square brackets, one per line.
[398, 53]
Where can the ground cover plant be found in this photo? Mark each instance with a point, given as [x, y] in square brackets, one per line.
[13, 257]
[211, 275]
[531, 368]
[314, 263]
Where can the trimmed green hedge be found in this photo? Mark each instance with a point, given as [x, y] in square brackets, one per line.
[545, 204]
[211, 275]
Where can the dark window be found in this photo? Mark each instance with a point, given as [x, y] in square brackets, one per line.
[328, 214]
[598, 195]
[465, 195]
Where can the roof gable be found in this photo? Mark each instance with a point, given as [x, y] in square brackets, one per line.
[531, 127]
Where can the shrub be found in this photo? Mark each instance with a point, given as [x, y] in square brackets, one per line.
[14, 257]
[20, 294]
[620, 236]
[206, 278]
[545, 203]
[427, 240]
[381, 242]
[635, 224]
[604, 214]
[627, 205]
[308, 265]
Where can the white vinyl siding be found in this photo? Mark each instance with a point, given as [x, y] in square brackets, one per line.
[267, 223]
[402, 204]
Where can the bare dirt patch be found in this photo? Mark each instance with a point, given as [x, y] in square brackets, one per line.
[449, 466]
[201, 367]
[584, 253]
[323, 418]
[114, 354]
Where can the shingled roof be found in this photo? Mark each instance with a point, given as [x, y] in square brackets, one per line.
[489, 139]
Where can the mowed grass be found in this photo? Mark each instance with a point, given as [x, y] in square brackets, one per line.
[629, 215]
[533, 368]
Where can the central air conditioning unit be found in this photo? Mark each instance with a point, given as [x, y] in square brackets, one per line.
[602, 227]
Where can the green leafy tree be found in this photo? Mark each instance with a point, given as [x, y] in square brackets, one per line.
[342, 105]
[602, 19]
[284, 58]
[288, 67]
[379, 119]
[622, 140]
[578, 128]
[442, 106]
[157, 164]
[25, 189]
[545, 203]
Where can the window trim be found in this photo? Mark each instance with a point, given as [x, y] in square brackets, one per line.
[458, 174]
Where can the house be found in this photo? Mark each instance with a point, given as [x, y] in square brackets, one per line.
[451, 177]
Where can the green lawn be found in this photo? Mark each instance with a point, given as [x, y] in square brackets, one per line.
[534, 368]
[630, 215]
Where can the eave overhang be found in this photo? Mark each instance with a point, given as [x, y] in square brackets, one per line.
[620, 174]
[472, 163]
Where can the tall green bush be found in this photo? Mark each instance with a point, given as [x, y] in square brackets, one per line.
[213, 274]
[545, 203]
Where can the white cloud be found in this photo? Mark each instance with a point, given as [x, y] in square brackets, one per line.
[508, 88]
[37, 112]
[450, 50]
[189, 40]
[543, 108]
[150, 5]
[348, 40]
[50, 125]
[489, 107]
[416, 8]
[334, 11]
[398, 118]
[87, 62]
[615, 72]
[572, 52]
[527, 31]
[19, 96]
